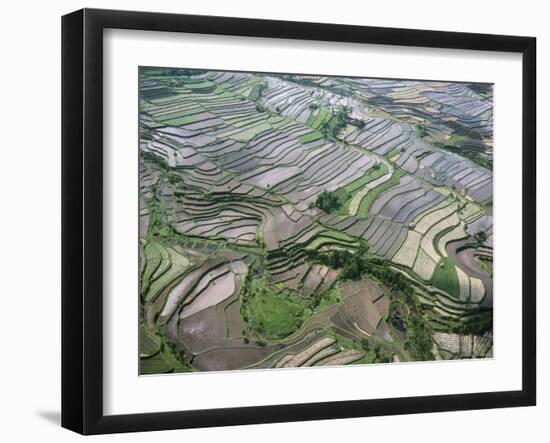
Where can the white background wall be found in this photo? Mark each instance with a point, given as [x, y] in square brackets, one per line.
[30, 221]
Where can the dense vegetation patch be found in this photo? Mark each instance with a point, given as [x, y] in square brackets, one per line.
[319, 118]
[274, 313]
[478, 322]
[256, 91]
[327, 201]
[311, 137]
[158, 355]
[445, 277]
[480, 238]
[405, 310]
[373, 194]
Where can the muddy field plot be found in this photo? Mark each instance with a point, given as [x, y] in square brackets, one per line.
[300, 221]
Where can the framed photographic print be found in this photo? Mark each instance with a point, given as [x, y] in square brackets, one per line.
[270, 221]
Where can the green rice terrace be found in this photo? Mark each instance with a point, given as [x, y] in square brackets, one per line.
[296, 221]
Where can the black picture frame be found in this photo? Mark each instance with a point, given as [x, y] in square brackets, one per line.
[82, 215]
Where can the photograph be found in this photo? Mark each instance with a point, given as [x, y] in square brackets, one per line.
[270, 222]
[294, 220]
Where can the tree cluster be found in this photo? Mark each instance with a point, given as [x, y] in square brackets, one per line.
[419, 332]
[480, 237]
[419, 336]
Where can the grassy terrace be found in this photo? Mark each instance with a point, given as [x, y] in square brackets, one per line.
[371, 196]
[445, 277]
[273, 313]
[301, 272]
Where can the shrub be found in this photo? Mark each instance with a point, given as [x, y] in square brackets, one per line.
[327, 201]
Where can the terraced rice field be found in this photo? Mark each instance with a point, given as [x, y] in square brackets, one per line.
[298, 221]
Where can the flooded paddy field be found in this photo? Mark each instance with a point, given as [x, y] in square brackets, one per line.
[296, 221]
